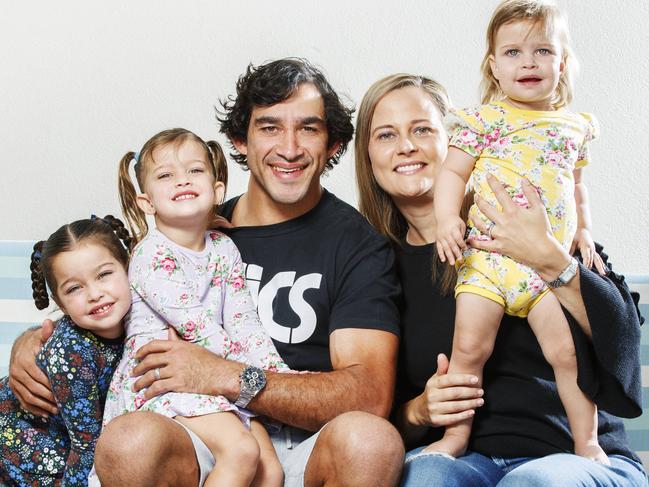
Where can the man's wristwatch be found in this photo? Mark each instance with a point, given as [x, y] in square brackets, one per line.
[566, 275]
[252, 380]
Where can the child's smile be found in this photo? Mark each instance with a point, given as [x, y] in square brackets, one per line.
[92, 288]
[180, 186]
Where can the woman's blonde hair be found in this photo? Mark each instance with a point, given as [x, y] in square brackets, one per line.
[373, 202]
[547, 14]
[133, 214]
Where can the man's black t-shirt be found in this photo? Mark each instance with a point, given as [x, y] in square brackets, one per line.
[325, 270]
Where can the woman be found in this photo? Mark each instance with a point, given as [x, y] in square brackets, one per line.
[520, 432]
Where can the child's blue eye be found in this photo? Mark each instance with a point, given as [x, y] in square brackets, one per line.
[511, 52]
[197, 170]
[544, 51]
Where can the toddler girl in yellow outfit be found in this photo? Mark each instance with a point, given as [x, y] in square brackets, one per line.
[522, 131]
[546, 147]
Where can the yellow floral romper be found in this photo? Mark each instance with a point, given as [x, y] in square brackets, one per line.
[543, 146]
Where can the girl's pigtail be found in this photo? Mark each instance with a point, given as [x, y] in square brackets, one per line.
[120, 230]
[218, 161]
[135, 217]
[39, 289]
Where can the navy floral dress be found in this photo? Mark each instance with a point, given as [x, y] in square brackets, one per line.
[59, 451]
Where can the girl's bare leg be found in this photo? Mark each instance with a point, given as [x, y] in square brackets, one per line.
[551, 328]
[269, 471]
[476, 325]
[235, 449]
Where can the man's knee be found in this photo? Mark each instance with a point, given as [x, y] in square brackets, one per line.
[122, 438]
[361, 432]
[134, 446]
[367, 443]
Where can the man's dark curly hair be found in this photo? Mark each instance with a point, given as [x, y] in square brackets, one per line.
[273, 83]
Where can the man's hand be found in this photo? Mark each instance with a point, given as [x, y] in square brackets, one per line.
[28, 382]
[185, 367]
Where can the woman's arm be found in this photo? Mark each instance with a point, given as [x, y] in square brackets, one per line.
[605, 318]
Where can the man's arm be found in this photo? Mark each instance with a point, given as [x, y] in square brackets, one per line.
[28, 382]
[363, 378]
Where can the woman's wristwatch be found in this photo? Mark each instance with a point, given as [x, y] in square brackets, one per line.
[566, 275]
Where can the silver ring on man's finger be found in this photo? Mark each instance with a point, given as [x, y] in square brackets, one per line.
[490, 229]
[156, 373]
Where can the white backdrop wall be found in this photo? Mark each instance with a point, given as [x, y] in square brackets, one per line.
[82, 82]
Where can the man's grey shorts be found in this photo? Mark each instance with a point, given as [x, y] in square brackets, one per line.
[293, 447]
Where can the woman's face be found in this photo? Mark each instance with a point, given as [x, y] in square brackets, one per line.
[407, 143]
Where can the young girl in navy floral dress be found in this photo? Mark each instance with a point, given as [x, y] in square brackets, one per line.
[192, 279]
[84, 266]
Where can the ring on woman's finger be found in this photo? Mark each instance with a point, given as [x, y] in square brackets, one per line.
[490, 228]
[156, 373]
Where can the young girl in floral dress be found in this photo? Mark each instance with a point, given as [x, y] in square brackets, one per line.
[83, 264]
[192, 279]
[524, 136]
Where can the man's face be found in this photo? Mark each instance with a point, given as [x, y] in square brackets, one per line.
[287, 151]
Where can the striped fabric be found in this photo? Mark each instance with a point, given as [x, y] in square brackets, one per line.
[17, 310]
[17, 313]
[638, 428]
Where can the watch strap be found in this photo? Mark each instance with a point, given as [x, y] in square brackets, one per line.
[245, 396]
[565, 276]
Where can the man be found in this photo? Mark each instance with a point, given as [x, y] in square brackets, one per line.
[325, 288]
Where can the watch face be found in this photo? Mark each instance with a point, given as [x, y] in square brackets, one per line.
[254, 378]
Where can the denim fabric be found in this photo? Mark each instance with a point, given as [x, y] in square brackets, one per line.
[475, 470]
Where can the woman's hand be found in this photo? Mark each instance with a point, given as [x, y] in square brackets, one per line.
[447, 398]
[28, 382]
[524, 234]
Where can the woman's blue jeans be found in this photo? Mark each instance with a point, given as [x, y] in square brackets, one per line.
[562, 469]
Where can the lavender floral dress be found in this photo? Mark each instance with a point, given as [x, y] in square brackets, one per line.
[203, 295]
